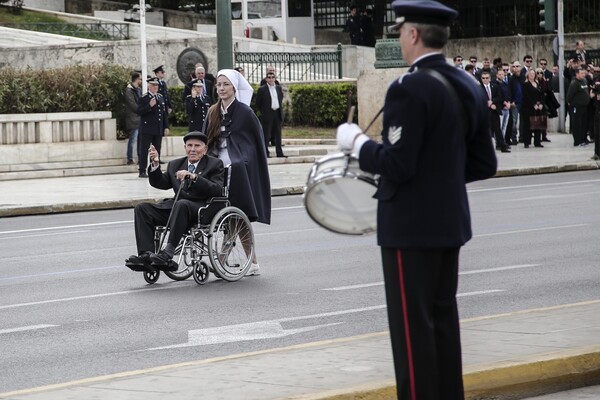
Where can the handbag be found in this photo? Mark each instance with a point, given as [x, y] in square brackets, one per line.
[538, 122]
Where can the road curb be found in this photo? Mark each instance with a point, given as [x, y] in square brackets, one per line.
[14, 211]
[531, 376]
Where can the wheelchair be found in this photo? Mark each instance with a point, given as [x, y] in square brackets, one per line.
[223, 236]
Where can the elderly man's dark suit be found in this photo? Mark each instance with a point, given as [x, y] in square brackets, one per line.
[193, 195]
[270, 119]
[496, 98]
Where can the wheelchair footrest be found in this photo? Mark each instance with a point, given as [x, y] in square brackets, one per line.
[140, 267]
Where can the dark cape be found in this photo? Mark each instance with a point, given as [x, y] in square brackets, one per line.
[250, 185]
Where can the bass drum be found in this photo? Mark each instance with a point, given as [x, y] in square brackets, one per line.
[339, 196]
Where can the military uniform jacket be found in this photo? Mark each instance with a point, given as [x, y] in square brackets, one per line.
[196, 108]
[209, 183]
[164, 91]
[427, 157]
[153, 120]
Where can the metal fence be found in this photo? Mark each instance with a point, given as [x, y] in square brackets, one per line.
[591, 56]
[478, 18]
[316, 66]
[100, 31]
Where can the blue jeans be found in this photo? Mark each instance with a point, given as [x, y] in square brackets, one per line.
[504, 122]
[133, 134]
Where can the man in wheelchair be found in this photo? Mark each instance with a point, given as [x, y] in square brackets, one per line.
[194, 178]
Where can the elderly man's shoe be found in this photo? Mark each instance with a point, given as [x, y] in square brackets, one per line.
[143, 175]
[163, 261]
[140, 262]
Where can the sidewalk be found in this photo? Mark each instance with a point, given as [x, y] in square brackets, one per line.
[526, 353]
[96, 192]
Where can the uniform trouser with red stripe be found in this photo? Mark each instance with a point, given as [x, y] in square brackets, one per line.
[420, 287]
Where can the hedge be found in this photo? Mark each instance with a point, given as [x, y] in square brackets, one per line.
[77, 88]
[100, 88]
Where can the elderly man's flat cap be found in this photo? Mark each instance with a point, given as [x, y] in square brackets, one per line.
[195, 135]
[424, 12]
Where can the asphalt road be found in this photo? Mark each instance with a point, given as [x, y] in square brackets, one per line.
[70, 310]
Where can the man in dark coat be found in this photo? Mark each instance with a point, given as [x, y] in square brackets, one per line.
[154, 122]
[353, 26]
[433, 145]
[132, 119]
[199, 177]
[269, 101]
[162, 87]
[495, 105]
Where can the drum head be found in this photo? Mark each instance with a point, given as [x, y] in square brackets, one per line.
[343, 205]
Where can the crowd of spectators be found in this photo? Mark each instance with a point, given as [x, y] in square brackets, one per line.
[523, 96]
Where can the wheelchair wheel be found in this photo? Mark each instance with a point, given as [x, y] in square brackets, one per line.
[231, 244]
[151, 277]
[201, 273]
[184, 257]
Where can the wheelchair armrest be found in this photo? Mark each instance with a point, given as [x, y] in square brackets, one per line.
[212, 207]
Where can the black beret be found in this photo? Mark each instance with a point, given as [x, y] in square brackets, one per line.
[159, 69]
[195, 135]
[424, 12]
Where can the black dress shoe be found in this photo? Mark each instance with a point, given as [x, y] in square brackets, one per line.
[526, 146]
[538, 145]
[143, 175]
[282, 156]
[163, 262]
[514, 142]
[546, 140]
[141, 262]
[505, 150]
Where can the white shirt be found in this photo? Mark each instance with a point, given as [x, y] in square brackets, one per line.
[274, 98]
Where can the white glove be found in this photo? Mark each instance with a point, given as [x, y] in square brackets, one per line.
[351, 138]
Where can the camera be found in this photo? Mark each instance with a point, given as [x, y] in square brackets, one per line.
[596, 88]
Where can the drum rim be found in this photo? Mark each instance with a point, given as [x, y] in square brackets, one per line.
[308, 190]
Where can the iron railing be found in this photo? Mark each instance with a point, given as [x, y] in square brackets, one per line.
[99, 31]
[591, 56]
[477, 18]
[315, 66]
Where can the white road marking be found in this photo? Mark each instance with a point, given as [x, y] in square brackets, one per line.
[480, 292]
[51, 228]
[479, 271]
[549, 228]
[91, 296]
[538, 185]
[364, 285]
[475, 271]
[72, 271]
[42, 234]
[26, 328]
[237, 333]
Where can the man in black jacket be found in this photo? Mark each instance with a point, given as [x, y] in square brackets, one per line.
[269, 101]
[202, 178]
[578, 98]
[495, 105]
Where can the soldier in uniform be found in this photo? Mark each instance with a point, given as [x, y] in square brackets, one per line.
[433, 144]
[196, 106]
[153, 122]
[162, 87]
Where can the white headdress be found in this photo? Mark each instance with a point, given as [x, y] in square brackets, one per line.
[243, 90]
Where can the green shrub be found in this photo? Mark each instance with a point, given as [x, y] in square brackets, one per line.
[69, 89]
[320, 105]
